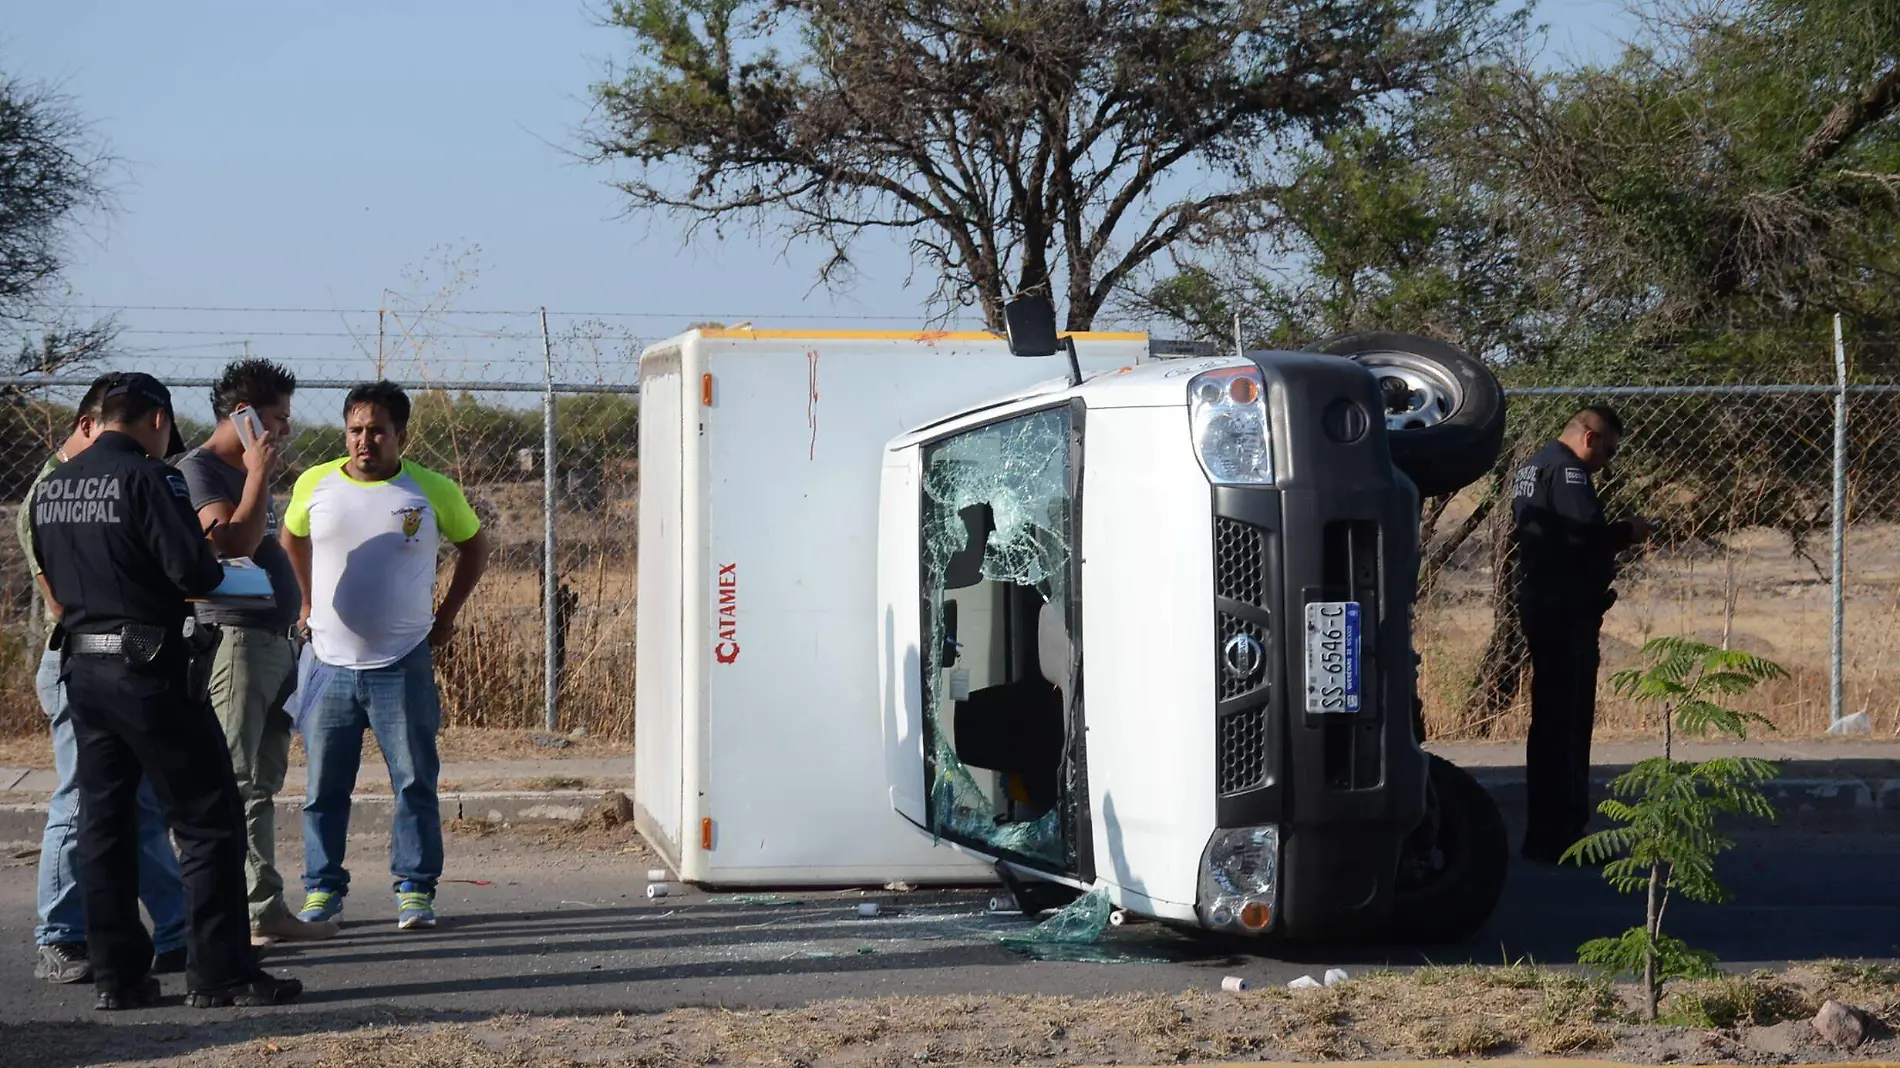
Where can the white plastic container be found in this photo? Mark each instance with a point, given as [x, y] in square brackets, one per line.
[760, 757]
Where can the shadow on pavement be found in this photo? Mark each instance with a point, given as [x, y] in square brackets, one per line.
[1797, 898]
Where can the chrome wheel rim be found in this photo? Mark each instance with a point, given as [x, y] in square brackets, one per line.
[1416, 393]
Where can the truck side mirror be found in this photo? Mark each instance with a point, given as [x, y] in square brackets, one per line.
[1031, 322]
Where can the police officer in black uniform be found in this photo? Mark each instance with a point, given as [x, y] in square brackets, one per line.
[1566, 564]
[121, 549]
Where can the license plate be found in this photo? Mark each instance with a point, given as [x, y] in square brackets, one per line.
[1332, 657]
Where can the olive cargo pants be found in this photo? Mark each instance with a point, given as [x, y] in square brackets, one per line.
[252, 675]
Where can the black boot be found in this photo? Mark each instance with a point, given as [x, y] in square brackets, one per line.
[139, 995]
[258, 990]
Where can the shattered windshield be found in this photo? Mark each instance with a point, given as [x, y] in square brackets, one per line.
[998, 543]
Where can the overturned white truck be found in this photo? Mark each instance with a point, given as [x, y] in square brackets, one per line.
[917, 608]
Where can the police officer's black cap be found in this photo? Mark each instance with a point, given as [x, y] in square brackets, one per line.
[140, 384]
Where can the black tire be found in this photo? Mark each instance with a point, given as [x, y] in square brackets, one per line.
[1447, 901]
[1462, 445]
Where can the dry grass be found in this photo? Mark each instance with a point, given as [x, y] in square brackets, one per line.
[1761, 595]
[1759, 592]
[493, 675]
[1455, 1013]
[482, 744]
[454, 745]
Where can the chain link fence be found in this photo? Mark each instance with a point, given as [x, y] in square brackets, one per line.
[492, 438]
[1740, 477]
[1742, 482]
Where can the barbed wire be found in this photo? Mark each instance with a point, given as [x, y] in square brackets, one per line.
[736, 316]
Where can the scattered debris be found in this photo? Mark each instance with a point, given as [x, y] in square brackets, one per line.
[899, 887]
[1003, 903]
[865, 951]
[869, 910]
[1842, 1025]
[1234, 984]
[1305, 982]
[615, 810]
[550, 741]
[1335, 976]
[656, 875]
[1074, 936]
[769, 900]
[1080, 923]
[657, 890]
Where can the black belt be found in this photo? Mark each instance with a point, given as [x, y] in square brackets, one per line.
[96, 644]
[134, 641]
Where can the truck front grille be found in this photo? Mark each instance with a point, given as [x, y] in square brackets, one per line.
[1247, 668]
[1240, 562]
[1243, 750]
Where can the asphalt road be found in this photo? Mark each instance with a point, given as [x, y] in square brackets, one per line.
[558, 931]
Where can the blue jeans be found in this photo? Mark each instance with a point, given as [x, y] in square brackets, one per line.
[62, 906]
[400, 704]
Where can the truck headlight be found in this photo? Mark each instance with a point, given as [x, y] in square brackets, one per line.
[1228, 412]
[1240, 876]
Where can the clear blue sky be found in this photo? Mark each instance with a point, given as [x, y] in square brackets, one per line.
[305, 156]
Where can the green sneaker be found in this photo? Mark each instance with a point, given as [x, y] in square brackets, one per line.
[321, 906]
[415, 907]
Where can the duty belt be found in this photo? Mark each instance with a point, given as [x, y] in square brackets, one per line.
[138, 642]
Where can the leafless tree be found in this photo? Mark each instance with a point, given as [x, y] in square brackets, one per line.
[52, 172]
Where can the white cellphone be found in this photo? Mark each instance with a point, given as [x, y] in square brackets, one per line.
[249, 427]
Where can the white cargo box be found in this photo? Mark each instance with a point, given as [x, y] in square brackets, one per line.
[759, 749]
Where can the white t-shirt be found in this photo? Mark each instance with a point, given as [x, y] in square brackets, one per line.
[373, 558]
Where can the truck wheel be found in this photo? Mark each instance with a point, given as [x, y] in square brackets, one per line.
[1452, 873]
[1444, 411]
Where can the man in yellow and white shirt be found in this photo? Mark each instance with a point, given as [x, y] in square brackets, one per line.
[362, 533]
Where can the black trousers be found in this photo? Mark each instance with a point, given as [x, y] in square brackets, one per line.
[133, 722]
[1564, 658]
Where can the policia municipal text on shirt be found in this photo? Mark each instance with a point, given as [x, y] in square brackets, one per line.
[1566, 555]
[121, 567]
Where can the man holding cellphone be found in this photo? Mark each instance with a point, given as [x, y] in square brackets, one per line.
[255, 668]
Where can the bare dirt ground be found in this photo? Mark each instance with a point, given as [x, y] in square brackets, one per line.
[512, 986]
[1434, 1013]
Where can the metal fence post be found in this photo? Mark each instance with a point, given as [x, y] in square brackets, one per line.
[1837, 653]
[549, 601]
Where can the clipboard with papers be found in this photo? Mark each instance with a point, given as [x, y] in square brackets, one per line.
[245, 585]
